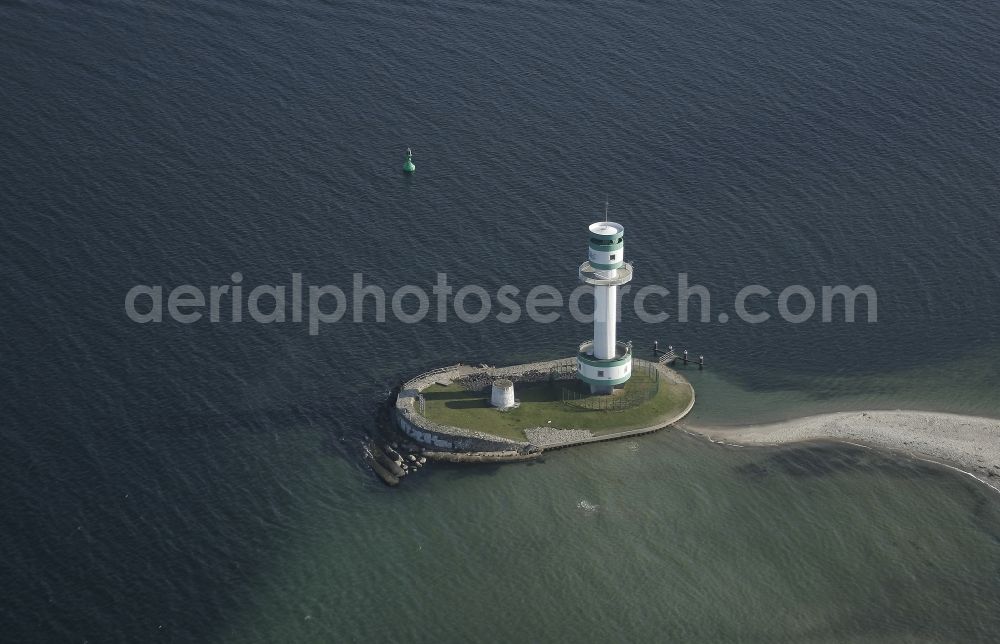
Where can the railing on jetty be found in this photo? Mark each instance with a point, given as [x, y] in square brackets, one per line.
[670, 356]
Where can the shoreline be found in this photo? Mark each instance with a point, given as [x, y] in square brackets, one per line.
[969, 444]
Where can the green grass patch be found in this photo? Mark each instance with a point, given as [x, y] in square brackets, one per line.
[542, 402]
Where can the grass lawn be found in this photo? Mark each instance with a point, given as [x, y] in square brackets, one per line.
[542, 402]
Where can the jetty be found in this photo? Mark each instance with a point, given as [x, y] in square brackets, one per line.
[670, 356]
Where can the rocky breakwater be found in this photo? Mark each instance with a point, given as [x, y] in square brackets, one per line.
[437, 438]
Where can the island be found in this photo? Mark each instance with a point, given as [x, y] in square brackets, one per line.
[449, 411]
[484, 413]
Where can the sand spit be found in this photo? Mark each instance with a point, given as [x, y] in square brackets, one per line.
[968, 443]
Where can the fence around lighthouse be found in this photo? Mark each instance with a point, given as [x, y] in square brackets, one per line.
[641, 387]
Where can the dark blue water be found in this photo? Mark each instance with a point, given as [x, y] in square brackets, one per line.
[158, 475]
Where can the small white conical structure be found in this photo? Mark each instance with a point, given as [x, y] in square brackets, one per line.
[503, 394]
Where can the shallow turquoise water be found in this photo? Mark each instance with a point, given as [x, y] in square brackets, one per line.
[663, 537]
[956, 384]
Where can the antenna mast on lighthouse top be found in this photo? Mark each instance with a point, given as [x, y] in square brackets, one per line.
[605, 207]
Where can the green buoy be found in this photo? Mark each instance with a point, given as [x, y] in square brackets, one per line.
[408, 166]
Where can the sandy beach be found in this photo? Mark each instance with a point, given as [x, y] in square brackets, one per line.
[969, 443]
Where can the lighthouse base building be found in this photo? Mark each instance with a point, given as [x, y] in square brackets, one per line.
[604, 362]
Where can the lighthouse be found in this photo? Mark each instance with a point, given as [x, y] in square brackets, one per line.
[604, 361]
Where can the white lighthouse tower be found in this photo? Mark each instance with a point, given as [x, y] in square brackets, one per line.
[604, 362]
